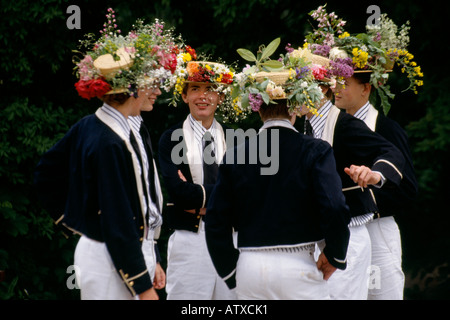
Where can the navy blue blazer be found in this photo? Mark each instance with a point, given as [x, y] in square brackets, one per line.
[301, 203]
[354, 143]
[396, 201]
[88, 177]
[181, 195]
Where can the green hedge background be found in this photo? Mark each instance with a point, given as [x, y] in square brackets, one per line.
[39, 104]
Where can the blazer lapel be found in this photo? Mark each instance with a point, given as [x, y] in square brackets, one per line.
[328, 131]
[371, 118]
[107, 120]
[193, 153]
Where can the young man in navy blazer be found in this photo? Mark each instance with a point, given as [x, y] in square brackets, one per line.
[280, 217]
[189, 182]
[383, 230]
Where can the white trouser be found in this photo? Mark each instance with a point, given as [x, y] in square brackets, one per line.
[190, 272]
[352, 283]
[97, 277]
[278, 274]
[387, 279]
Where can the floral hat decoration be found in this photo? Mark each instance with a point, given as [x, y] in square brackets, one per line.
[376, 51]
[115, 63]
[191, 70]
[289, 78]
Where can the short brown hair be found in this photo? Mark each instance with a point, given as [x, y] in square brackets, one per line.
[118, 98]
[278, 110]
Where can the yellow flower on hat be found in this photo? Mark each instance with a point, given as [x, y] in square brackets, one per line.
[360, 58]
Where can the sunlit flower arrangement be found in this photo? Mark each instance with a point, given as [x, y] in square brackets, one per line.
[267, 81]
[194, 67]
[395, 41]
[375, 51]
[143, 58]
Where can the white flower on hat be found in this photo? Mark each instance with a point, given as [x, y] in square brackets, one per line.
[336, 53]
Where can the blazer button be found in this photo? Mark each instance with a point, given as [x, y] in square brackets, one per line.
[131, 283]
[196, 226]
[141, 239]
[141, 227]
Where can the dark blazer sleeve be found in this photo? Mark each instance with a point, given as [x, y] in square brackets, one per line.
[117, 219]
[184, 194]
[399, 200]
[219, 227]
[334, 213]
[51, 177]
[362, 146]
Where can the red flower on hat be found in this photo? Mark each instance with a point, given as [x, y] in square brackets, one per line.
[227, 78]
[192, 52]
[92, 88]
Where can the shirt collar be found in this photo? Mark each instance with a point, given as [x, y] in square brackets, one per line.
[277, 123]
[118, 118]
[135, 123]
[318, 121]
[199, 130]
[362, 112]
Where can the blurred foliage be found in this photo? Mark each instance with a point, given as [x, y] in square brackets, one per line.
[39, 104]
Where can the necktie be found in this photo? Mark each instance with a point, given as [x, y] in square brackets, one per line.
[308, 128]
[138, 154]
[151, 170]
[210, 167]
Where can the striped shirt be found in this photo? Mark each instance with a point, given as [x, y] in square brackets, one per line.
[199, 132]
[154, 214]
[318, 124]
[318, 121]
[361, 114]
[118, 118]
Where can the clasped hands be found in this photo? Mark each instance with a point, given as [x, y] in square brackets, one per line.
[202, 211]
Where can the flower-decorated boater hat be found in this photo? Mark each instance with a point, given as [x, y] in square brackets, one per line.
[116, 64]
[375, 52]
[220, 75]
[290, 78]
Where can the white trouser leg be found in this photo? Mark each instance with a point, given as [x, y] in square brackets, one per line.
[387, 279]
[352, 283]
[97, 277]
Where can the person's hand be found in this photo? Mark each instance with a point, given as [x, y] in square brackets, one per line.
[181, 176]
[323, 265]
[160, 277]
[202, 211]
[149, 294]
[362, 175]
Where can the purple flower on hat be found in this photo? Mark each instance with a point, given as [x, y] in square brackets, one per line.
[255, 101]
[321, 50]
[341, 67]
[300, 73]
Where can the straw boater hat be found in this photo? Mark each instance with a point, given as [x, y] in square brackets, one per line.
[294, 82]
[110, 66]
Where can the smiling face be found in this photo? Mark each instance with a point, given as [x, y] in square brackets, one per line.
[202, 101]
[147, 98]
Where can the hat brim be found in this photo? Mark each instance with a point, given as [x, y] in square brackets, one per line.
[367, 71]
[116, 91]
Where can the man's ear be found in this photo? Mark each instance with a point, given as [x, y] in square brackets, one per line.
[184, 97]
[367, 89]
